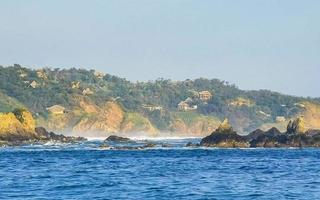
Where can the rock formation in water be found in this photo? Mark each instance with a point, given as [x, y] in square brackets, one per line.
[296, 126]
[224, 136]
[295, 136]
[18, 127]
[114, 138]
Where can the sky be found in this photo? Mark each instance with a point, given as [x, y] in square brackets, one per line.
[255, 44]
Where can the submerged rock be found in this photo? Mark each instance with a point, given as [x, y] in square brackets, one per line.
[190, 144]
[165, 145]
[114, 138]
[149, 145]
[104, 146]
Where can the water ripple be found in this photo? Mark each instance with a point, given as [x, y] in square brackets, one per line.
[83, 171]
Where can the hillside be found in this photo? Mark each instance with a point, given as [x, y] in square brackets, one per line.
[86, 102]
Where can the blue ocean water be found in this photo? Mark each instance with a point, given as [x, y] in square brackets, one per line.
[84, 171]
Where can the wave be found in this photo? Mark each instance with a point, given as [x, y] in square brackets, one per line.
[162, 138]
[96, 138]
[147, 138]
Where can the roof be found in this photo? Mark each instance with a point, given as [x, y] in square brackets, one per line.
[182, 103]
[188, 100]
[205, 92]
[34, 84]
[56, 108]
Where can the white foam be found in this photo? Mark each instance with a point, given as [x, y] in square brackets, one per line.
[96, 138]
[163, 138]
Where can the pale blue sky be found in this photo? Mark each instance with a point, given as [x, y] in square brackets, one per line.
[256, 44]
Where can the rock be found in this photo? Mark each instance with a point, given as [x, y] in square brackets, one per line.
[255, 134]
[44, 135]
[104, 146]
[296, 126]
[114, 138]
[273, 138]
[273, 131]
[225, 127]
[149, 145]
[224, 137]
[17, 126]
[166, 145]
[190, 144]
[312, 132]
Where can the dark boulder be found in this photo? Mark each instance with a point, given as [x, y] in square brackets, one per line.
[165, 145]
[190, 144]
[255, 134]
[274, 138]
[312, 132]
[114, 138]
[43, 135]
[224, 137]
[149, 145]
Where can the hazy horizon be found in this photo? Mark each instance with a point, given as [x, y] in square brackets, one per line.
[270, 45]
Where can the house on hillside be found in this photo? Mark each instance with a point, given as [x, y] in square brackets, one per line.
[205, 95]
[152, 108]
[263, 113]
[34, 84]
[185, 106]
[41, 74]
[241, 102]
[75, 84]
[56, 109]
[87, 91]
[99, 74]
[188, 100]
[280, 119]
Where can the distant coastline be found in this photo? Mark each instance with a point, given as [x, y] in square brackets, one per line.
[89, 103]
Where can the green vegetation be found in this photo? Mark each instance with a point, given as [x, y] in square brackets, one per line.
[191, 117]
[57, 87]
[7, 104]
[138, 120]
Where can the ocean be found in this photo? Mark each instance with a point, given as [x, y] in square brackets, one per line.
[86, 171]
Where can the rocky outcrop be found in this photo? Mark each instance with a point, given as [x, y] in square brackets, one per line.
[114, 138]
[296, 126]
[44, 136]
[17, 125]
[224, 137]
[295, 136]
[18, 128]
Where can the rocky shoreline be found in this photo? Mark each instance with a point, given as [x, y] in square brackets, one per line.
[40, 136]
[295, 136]
[18, 128]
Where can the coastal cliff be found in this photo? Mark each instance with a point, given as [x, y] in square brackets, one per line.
[18, 127]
